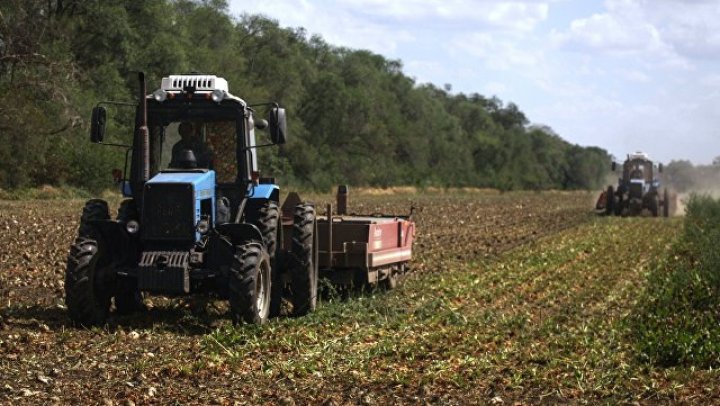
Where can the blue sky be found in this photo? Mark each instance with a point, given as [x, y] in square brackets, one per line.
[625, 75]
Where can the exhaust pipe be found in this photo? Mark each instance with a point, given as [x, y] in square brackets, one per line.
[142, 135]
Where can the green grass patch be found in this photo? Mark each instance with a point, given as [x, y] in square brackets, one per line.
[678, 319]
[544, 321]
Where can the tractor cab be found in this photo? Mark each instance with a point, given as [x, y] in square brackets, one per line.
[638, 175]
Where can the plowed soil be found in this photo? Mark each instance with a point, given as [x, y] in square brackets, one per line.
[186, 350]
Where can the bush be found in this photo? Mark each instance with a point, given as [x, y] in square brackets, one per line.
[677, 318]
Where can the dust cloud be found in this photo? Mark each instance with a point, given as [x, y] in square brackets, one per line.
[686, 180]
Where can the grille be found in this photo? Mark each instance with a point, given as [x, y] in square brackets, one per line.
[636, 190]
[168, 212]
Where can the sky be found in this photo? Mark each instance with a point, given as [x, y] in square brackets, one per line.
[624, 75]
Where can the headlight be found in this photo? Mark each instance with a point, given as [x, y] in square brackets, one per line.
[218, 95]
[132, 226]
[160, 95]
[203, 226]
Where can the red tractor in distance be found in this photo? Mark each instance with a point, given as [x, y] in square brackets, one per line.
[638, 190]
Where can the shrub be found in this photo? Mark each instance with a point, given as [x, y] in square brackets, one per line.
[677, 321]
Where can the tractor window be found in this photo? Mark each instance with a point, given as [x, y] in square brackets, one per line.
[212, 145]
[220, 136]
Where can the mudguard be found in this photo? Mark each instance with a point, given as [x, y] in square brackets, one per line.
[240, 234]
[265, 191]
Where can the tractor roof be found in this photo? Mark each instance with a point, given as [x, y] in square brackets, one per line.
[639, 155]
[210, 84]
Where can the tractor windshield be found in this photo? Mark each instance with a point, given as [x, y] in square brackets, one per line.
[196, 144]
[639, 170]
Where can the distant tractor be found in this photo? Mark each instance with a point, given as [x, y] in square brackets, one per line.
[198, 217]
[637, 190]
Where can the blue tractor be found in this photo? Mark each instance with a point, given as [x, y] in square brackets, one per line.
[637, 190]
[198, 217]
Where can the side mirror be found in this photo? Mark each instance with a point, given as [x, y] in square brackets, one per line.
[278, 125]
[97, 124]
[613, 166]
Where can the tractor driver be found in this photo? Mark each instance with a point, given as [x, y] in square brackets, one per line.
[637, 173]
[190, 139]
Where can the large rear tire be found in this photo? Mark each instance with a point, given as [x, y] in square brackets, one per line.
[87, 294]
[666, 203]
[249, 284]
[610, 201]
[266, 219]
[304, 261]
[620, 204]
[653, 205]
[87, 289]
[94, 210]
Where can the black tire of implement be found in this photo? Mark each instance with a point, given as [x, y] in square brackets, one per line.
[266, 218]
[128, 298]
[666, 203]
[250, 268]
[393, 279]
[303, 260]
[610, 201]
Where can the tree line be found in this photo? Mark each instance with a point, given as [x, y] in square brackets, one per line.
[354, 116]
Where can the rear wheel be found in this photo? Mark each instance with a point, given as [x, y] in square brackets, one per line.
[87, 285]
[653, 205]
[619, 205]
[303, 260]
[94, 210]
[87, 294]
[610, 201]
[666, 203]
[266, 218]
[249, 284]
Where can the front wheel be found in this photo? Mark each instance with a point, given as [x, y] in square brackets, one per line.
[249, 284]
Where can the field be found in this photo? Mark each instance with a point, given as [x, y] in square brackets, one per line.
[514, 297]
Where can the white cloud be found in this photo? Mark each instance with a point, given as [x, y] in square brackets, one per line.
[522, 15]
[339, 28]
[633, 75]
[494, 88]
[671, 32]
[494, 52]
[612, 33]
[622, 75]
